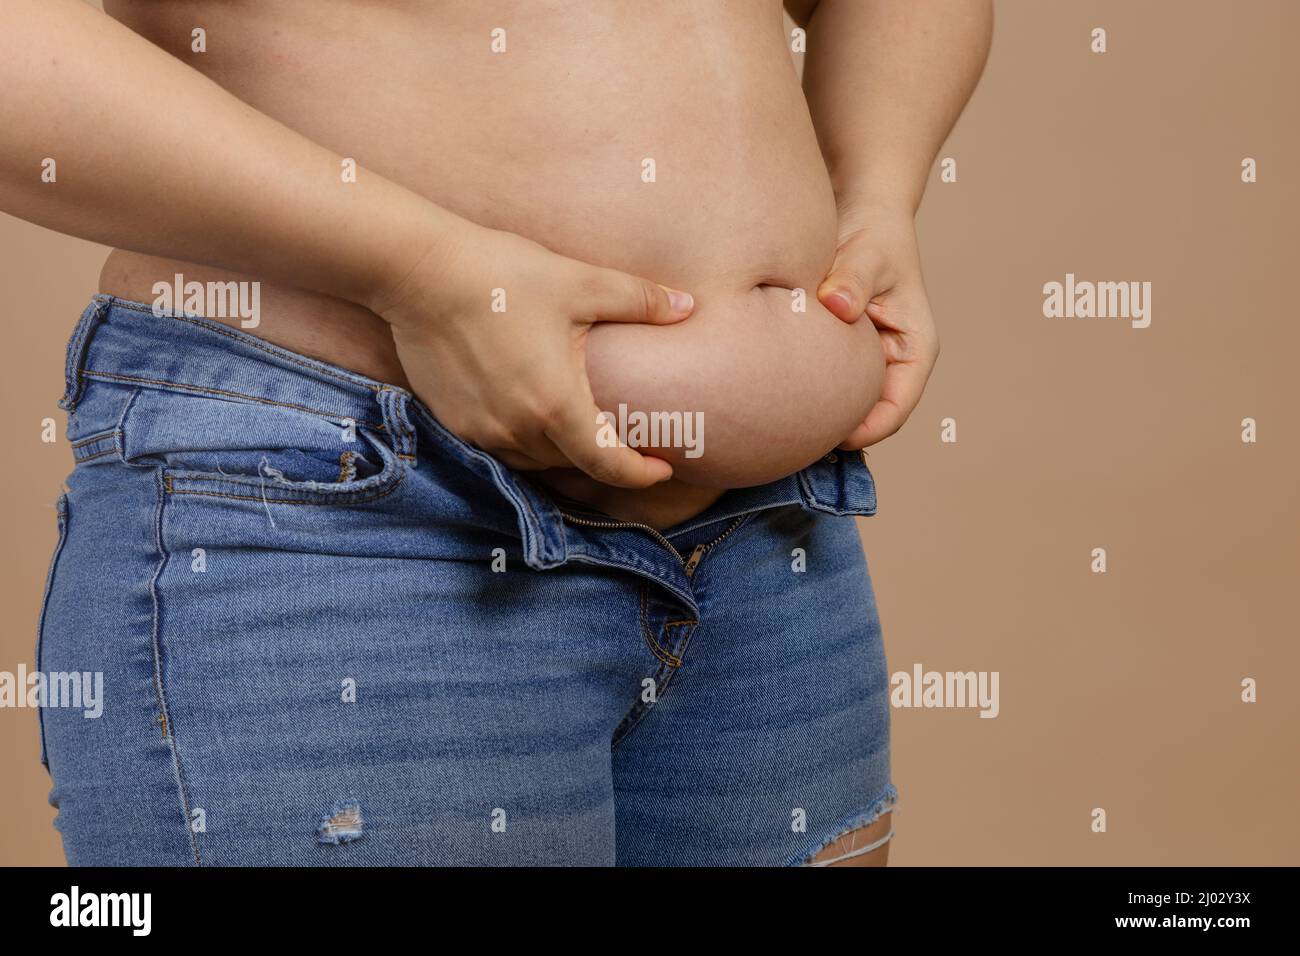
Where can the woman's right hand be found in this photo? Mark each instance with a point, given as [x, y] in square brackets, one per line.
[491, 329]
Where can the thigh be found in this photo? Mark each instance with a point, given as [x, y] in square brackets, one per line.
[366, 709]
[773, 740]
[112, 765]
[303, 674]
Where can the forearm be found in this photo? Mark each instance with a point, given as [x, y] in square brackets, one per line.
[885, 82]
[153, 157]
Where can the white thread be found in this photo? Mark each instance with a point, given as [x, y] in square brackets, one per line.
[264, 469]
[860, 852]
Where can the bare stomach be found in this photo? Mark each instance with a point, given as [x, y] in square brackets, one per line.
[669, 140]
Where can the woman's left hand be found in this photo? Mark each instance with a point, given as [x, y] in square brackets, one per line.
[877, 273]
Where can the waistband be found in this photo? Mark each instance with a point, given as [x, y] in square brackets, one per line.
[121, 341]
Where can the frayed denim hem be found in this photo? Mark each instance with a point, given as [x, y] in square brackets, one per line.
[883, 804]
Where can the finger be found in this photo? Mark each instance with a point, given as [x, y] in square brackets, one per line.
[900, 393]
[575, 434]
[534, 452]
[849, 286]
[517, 448]
[519, 461]
[884, 419]
[887, 319]
[544, 452]
[625, 298]
[857, 439]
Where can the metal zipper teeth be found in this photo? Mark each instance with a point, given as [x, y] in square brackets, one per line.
[689, 564]
[587, 522]
[718, 540]
[701, 550]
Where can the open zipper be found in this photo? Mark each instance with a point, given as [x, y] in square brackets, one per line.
[689, 564]
[701, 550]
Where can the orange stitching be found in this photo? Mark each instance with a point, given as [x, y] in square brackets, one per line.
[94, 438]
[662, 676]
[406, 430]
[347, 466]
[160, 691]
[662, 689]
[220, 391]
[636, 713]
[98, 454]
[659, 653]
[679, 645]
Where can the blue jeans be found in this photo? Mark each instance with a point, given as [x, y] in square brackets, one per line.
[332, 633]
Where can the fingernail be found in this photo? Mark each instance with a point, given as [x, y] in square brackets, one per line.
[843, 297]
[680, 301]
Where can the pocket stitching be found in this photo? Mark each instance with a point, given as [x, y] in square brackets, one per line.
[343, 497]
[370, 488]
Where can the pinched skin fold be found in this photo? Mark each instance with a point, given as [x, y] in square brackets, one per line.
[775, 389]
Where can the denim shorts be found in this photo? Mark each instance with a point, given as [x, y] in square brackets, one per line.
[331, 633]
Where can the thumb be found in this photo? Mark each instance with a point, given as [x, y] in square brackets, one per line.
[633, 299]
[849, 286]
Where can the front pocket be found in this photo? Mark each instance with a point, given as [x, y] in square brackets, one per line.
[255, 451]
[62, 509]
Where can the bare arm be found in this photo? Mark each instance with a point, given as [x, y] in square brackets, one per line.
[155, 158]
[885, 82]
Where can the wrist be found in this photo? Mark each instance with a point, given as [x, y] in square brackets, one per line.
[422, 261]
[883, 225]
[876, 198]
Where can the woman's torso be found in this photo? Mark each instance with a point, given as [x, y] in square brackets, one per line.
[667, 139]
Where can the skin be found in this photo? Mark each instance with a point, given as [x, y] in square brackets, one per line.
[522, 171]
[808, 377]
[862, 836]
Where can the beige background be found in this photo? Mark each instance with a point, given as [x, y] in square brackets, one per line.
[1118, 690]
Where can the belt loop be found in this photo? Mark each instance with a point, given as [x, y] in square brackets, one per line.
[843, 488]
[77, 347]
[397, 423]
